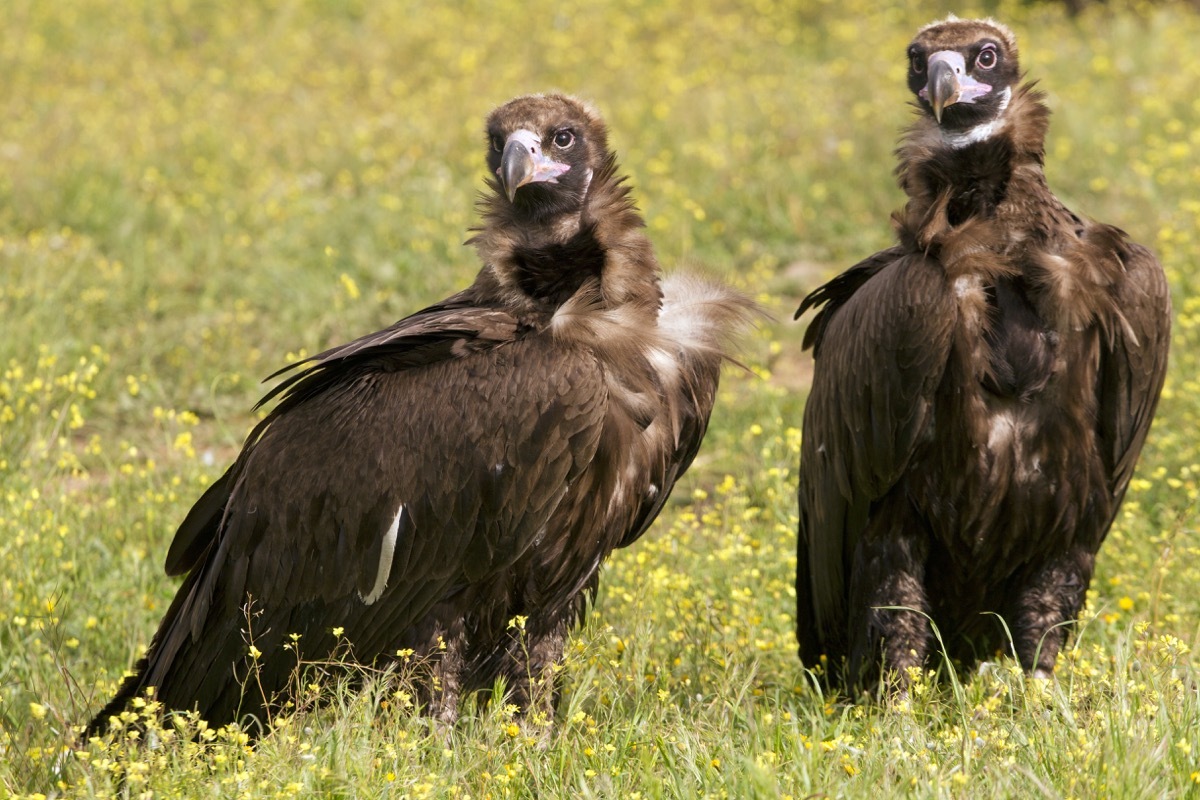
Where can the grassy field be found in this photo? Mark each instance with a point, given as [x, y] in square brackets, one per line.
[194, 192]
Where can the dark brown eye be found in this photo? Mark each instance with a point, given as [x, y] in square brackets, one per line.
[987, 57]
[918, 63]
[564, 139]
[497, 143]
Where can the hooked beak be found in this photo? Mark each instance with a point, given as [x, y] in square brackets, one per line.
[949, 83]
[523, 161]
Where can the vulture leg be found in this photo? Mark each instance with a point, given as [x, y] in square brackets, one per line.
[530, 668]
[445, 681]
[1045, 606]
[889, 574]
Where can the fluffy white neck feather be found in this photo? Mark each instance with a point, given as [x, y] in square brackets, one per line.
[980, 132]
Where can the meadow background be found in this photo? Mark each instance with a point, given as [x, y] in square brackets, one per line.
[193, 193]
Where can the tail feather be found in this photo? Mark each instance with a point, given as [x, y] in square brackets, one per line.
[213, 673]
[130, 688]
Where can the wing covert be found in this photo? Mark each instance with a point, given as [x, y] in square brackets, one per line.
[473, 445]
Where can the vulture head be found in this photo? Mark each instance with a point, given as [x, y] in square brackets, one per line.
[963, 72]
[544, 151]
[558, 213]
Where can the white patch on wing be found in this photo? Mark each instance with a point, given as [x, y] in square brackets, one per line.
[386, 553]
[982, 132]
[666, 367]
[616, 502]
[683, 316]
[538, 537]
[965, 285]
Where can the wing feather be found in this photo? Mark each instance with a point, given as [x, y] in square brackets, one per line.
[882, 347]
[301, 517]
[1134, 366]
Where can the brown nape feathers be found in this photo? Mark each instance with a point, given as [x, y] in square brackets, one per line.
[981, 392]
[420, 487]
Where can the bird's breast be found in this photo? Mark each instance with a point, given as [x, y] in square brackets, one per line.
[1008, 347]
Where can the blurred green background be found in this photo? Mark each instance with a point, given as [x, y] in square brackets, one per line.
[193, 193]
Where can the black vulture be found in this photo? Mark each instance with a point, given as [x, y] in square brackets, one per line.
[981, 391]
[420, 487]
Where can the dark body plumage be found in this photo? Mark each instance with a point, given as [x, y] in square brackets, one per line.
[476, 461]
[981, 390]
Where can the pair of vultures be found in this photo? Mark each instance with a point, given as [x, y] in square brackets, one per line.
[982, 390]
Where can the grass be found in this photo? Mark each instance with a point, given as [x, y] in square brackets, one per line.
[192, 193]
